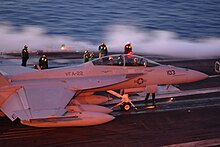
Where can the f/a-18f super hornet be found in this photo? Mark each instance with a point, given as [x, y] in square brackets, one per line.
[64, 96]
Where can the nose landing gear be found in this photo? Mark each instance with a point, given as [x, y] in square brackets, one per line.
[125, 102]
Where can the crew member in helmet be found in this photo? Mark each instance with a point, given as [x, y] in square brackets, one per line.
[103, 50]
[92, 56]
[86, 56]
[24, 55]
[120, 60]
[128, 48]
[43, 62]
[135, 62]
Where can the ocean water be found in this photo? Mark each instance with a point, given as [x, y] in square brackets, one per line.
[171, 27]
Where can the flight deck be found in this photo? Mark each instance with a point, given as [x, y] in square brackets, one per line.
[186, 116]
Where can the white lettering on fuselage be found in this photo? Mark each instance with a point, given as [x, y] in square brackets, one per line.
[74, 73]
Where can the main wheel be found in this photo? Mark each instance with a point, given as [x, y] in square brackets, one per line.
[126, 106]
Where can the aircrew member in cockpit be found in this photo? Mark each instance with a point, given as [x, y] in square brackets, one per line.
[135, 62]
[110, 60]
[120, 60]
[103, 50]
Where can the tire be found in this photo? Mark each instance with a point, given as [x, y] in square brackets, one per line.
[126, 106]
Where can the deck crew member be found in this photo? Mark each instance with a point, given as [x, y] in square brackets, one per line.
[128, 48]
[86, 56]
[153, 99]
[43, 62]
[103, 50]
[24, 55]
[92, 56]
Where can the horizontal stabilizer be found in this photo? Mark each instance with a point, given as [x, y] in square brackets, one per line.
[10, 68]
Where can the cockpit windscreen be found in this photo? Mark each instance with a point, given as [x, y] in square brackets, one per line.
[124, 60]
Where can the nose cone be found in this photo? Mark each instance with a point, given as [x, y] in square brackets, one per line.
[196, 76]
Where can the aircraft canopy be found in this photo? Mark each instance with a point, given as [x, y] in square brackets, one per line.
[124, 60]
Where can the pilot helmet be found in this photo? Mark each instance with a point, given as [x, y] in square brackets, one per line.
[110, 58]
[135, 59]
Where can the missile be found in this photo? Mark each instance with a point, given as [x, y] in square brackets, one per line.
[89, 107]
[70, 119]
[91, 99]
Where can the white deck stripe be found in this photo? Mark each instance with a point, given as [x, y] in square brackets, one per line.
[203, 143]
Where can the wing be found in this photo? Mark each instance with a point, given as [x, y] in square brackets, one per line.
[36, 101]
[46, 98]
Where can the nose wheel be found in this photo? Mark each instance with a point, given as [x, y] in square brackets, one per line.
[125, 102]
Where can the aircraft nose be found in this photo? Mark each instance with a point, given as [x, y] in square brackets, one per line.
[196, 76]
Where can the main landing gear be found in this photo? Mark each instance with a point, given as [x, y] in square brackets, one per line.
[125, 102]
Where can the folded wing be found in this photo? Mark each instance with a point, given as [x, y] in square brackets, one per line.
[37, 102]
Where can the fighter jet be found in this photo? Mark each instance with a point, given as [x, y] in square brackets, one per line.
[62, 97]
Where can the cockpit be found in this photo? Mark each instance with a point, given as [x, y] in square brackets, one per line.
[124, 60]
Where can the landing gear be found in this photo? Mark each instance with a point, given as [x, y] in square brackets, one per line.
[125, 102]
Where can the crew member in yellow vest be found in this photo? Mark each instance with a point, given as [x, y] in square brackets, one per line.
[103, 50]
[43, 62]
[128, 48]
[86, 56]
[24, 55]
